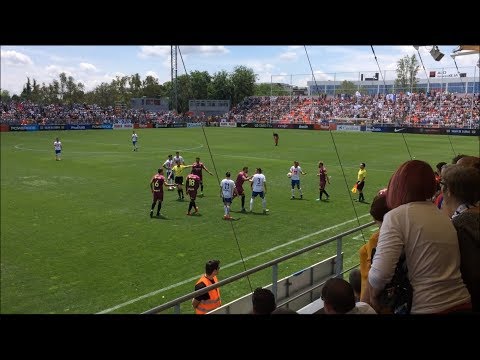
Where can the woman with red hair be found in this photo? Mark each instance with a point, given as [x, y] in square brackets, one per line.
[428, 239]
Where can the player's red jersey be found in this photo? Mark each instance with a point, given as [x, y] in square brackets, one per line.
[157, 181]
[323, 174]
[241, 178]
[192, 183]
[197, 169]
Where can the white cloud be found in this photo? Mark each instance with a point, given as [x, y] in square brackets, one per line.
[204, 50]
[88, 67]
[295, 47]
[12, 57]
[288, 56]
[154, 51]
[152, 74]
[164, 51]
[54, 70]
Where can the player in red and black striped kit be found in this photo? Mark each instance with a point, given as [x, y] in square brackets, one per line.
[192, 182]
[156, 186]
[197, 167]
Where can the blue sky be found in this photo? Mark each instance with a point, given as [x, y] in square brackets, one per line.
[93, 65]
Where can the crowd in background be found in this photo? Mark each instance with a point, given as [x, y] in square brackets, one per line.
[433, 109]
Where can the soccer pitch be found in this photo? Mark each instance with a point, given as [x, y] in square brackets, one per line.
[76, 236]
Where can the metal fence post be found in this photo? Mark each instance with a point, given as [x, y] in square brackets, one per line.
[274, 280]
[339, 260]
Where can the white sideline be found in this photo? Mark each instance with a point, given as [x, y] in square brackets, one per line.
[225, 266]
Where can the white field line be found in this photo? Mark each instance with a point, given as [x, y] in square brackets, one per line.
[19, 147]
[360, 237]
[113, 308]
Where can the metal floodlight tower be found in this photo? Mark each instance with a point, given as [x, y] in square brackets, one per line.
[173, 67]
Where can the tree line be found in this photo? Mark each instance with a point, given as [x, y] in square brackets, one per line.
[222, 85]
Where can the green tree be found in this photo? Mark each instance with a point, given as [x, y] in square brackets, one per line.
[243, 81]
[407, 70]
[266, 89]
[199, 82]
[63, 85]
[184, 92]
[220, 87]
[135, 85]
[346, 87]
[5, 96]
[27, 90]
[151, 87]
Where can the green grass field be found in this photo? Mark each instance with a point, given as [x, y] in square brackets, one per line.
[76, 236]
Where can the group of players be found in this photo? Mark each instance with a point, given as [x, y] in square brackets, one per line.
[229, 189]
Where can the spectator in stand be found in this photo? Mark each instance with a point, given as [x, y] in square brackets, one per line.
[263, 302]
[339, 298]
[470, 161]
[438, 197]
[355, 279]
[378, 209]
[428, 240]
[210, 300]
[460, 186]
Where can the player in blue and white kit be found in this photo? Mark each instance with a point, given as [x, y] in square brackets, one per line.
[168, 165]
[259, 187]
[57, 145]
[134, 140]
[296, 170]
[227, 186]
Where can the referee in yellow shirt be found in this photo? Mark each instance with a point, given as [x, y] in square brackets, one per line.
[362, 174]
[178, 173]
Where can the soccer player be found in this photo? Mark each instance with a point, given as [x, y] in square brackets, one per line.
[178, 172]
[241, 178]
[259, 187]
[177, 157]
[227, 186]
[57, 145]
[322, 172]
[275, 138]
[192, 182]
[168, 165]
[296, 170]
[197, 167]
[156, 186]
[134, 140]
[362, 174]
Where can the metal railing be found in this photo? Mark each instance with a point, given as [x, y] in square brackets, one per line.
[175, 303]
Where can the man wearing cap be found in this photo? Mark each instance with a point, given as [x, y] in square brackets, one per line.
[362, 174]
